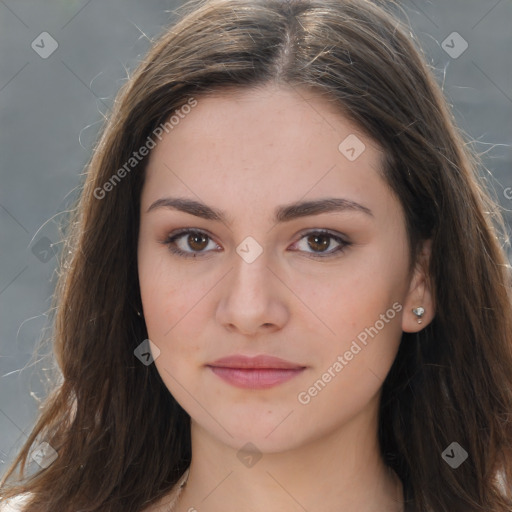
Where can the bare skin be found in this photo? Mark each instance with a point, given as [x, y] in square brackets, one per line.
[247, 154]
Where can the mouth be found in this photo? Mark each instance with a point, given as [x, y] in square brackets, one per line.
[258, 372]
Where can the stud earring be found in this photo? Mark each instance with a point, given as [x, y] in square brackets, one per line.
[419, 312]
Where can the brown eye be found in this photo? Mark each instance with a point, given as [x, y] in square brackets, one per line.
[197, 241]
[319, 243]
[190, 243]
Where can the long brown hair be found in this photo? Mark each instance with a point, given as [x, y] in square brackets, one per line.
[122, 439]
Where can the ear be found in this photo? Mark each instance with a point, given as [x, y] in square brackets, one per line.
[420, 293]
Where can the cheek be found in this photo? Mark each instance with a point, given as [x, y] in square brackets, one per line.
[173, 313]
[165, 294]
[355, 312]
[342, 302]
[352, 363]
[173, 325]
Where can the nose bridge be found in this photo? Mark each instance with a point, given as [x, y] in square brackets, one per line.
[250, 280]
[250, 298]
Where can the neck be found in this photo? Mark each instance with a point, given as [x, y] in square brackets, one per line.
[339, 471]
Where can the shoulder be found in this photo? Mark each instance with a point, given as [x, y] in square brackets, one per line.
[15, 504]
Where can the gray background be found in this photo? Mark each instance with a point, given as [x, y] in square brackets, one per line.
[52, 108]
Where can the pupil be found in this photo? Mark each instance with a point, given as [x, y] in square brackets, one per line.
[323, 245]
[193, 240]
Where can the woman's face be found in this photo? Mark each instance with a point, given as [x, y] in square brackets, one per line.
[298, 251]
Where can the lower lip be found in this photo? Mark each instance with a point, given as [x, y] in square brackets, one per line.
[259, 378]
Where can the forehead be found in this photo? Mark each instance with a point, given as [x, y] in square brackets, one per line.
[265, 145]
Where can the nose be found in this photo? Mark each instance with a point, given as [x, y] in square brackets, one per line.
[253, 300]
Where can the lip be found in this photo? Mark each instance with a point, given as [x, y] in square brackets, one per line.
[262, 361]
[259, 372]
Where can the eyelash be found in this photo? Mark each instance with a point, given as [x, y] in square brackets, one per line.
[170, 242]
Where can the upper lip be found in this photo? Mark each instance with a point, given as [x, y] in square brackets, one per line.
[262, 361]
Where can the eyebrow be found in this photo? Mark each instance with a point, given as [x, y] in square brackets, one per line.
[284, 213]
